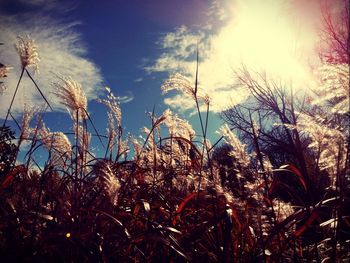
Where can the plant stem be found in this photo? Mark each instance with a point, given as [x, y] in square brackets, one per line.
[13, 98]
[36, 85]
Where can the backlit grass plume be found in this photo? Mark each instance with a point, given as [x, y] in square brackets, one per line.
[179, 127]
[182, 84]
[239, 151]
[58, 145]
[334, 87]
[72, 96]
[113, 105]
[28, 52]
[28, 114]
[4, 70]
[114, 128]
[108, 180]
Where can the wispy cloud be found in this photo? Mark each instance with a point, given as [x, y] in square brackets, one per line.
[271, 36]
[45, 5]
[126, 98]
[61, 52]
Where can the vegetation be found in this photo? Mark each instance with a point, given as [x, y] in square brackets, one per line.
[274, 188]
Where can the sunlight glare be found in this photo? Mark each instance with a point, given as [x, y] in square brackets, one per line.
[260, 36]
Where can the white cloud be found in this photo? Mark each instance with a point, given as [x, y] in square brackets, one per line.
[61, 52]
[126, 98]
[179, 50]
[180, 102]
[268, 36]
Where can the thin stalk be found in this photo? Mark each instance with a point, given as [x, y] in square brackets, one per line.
[200, 120]
[259, 155]
[338, 206]
[13, 98]
[266, 187]
[83, 150]
[171, 149]
[262, 238]
[33, 143]
[216, 143]
[120, 134]
[298, 145]
[41, 185]
[107, 149]
[75, 194]
[196, 98]
[36, 85]
[205, 140]
[94, 127]
[154, 151]
[16, 122]
[204, 128]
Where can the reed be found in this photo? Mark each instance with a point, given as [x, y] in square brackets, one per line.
[274, 188]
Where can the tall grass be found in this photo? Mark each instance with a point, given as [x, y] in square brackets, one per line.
[176, 198]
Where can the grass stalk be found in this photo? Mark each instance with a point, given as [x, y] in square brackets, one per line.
[13, 98]
[37, 87]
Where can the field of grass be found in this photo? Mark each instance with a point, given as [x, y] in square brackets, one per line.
[274, 188]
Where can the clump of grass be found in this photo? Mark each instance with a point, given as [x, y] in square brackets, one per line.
[178, 198]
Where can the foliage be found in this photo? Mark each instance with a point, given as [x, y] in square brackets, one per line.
[8, 150]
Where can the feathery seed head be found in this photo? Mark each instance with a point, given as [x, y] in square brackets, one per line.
[72, 96]
[4, 70]
[111, 131]
[136, 145]
[113, 105]
[267, 164]
[238, 151]
[178, 126]
[28, 114]
[109, 181]
[206, 99]
[123, 147]
[57, 143]
[84, 137]
[334, 86]
[329, 143]
[28, 52]
[3, 74]
[180, 83]
[157, 121]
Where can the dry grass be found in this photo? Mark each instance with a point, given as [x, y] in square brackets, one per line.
[177, 198]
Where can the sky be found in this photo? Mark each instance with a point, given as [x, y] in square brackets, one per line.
[133, 46]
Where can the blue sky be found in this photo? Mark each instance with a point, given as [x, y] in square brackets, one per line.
[117, 41]
[133, 46]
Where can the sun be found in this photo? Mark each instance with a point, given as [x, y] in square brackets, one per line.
[261, 36]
